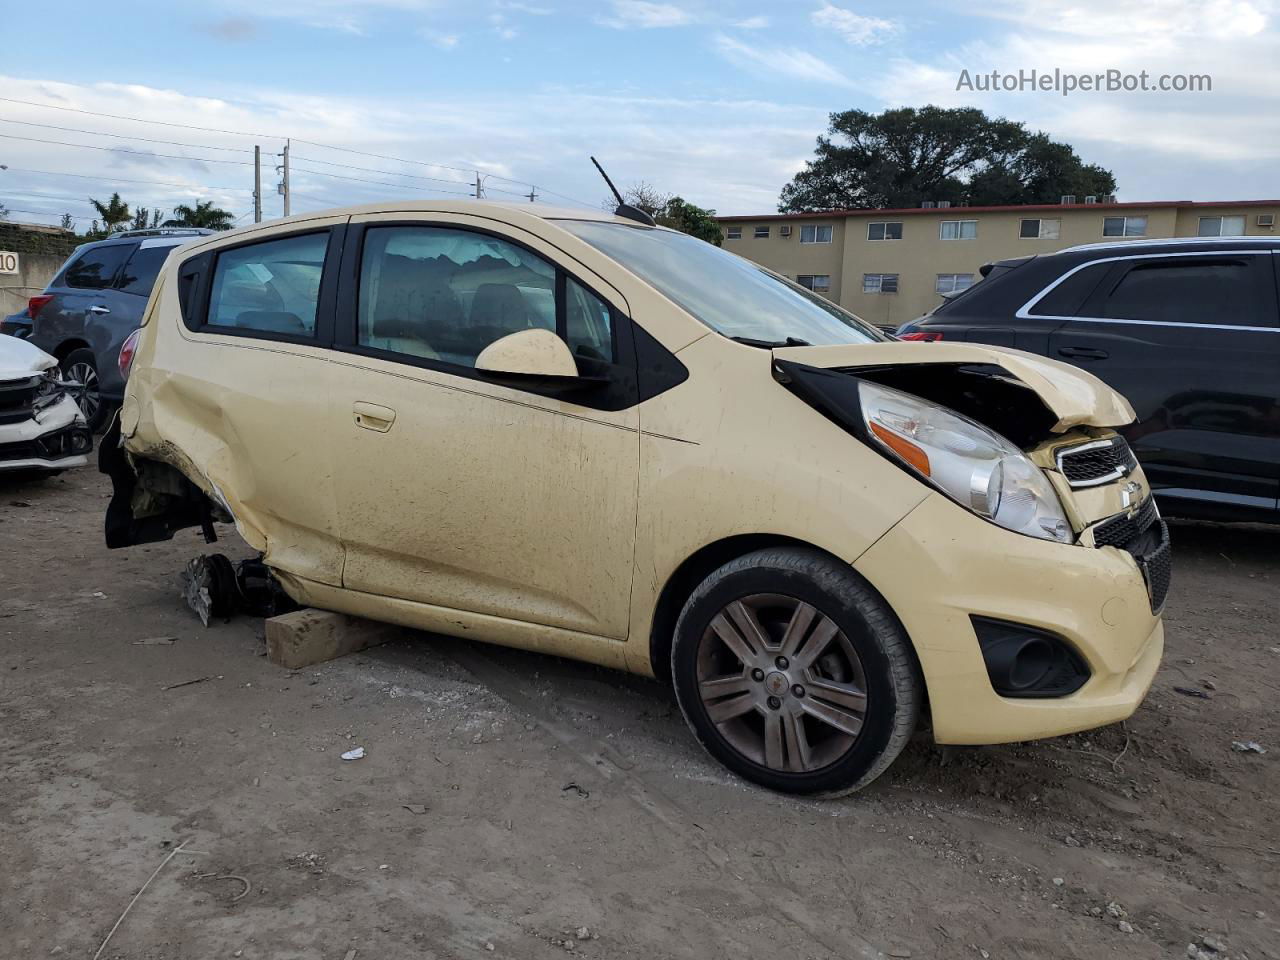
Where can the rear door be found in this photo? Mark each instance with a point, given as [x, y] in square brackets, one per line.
[84, 295]
[1193, 341]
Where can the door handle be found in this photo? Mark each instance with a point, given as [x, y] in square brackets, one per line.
[371, 416]
[1083, 353]
[99, 309]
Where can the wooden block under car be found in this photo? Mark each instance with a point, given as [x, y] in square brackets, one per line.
[307, 637]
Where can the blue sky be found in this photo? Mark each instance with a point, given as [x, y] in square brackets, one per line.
[718, 101]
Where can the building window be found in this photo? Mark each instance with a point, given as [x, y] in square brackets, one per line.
[1222, 226]
[817, 282]
[879, 283]
[958, 230]
[884, 230]
[814, 233]
[762, 233]
[1124, 227]
[953, 282]
[733, 233]
[1040, 229]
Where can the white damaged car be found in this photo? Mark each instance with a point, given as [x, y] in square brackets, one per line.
[41, 427]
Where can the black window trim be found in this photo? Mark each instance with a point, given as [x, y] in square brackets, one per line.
[623, 390]
[197, 321]
[1025, 311]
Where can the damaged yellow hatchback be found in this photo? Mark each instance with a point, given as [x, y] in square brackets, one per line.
[585, 435]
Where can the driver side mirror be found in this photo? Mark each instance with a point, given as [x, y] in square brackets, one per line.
[536, 355]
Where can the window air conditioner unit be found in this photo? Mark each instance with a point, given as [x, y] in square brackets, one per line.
[928, 204]
[1109, 198]
[1090, 199]
[784, 230]
[1266, 220]
[943, 204]
[1068, 199]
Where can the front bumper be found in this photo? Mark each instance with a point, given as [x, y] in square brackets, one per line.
[55, 437]
[941, 564]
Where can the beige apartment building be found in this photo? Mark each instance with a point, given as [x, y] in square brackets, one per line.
[891, 266]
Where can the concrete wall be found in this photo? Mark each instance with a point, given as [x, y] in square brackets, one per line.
[42, 251]
[921, 255]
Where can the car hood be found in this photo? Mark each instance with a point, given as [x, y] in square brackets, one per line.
[20, 359]
[1075, 397]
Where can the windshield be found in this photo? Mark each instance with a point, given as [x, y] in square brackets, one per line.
[732, 296]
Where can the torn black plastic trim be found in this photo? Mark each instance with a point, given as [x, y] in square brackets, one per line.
[175, 502]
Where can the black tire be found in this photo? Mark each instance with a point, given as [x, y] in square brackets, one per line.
[888, 671]
[82, 365]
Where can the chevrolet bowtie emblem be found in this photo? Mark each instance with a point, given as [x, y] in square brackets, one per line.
[1127, 494]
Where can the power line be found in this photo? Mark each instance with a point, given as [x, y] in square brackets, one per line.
[390, 173]
[122, 136]
[157, 183]
[381, 183]
[138, 153]
[161, 123]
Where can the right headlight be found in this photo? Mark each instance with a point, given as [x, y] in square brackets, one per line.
[976, 467]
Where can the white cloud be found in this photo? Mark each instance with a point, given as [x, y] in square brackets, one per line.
[1101, 19]
[445, 41]
[752, 23]
[856, 29]
[789, 62]
[645, 15]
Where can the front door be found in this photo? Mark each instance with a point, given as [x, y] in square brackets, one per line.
[1193, 341]
[460, 492]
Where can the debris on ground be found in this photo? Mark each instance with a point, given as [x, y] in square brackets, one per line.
[155, 641]
[415, 808]
[356, 754]
[1115, 911]
[1191, 692]
[1125, 926]
[187, 683]
[1247, 746]
[582, 792]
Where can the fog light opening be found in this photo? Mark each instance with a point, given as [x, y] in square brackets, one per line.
[1026, 662]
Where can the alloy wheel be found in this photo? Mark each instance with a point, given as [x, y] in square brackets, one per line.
[781, 683]
[89, 395]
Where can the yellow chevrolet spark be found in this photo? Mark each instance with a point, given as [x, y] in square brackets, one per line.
[581, 434]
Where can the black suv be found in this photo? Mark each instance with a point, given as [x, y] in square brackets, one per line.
[1188, 330]
[93, 304]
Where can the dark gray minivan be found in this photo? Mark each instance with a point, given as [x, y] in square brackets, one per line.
[94, 303]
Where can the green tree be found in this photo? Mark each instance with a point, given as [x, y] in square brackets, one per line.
[4, 212]
[669, 210]
[203, 214]
[146, 219]
[900, 157]
[114, 214]
[68, 222]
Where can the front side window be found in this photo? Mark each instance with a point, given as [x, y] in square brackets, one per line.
[953, 282]
[879, 283]
[96, 268]
[1202, 292]
[819, 282]
[762, 233]
[1040, 229]
[1124, 227]
[269, 287]
[1221, 227]
[729, 294]
[815, 233]
[733, 233]
[884, 230]
[139, 274]
[438, 293]
[958, 230]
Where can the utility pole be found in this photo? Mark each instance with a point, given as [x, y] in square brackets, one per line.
[257, 183]
[479, 187]
[284, 182]
[533, 194]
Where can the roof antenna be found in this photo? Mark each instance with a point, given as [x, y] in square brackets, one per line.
[624, 209]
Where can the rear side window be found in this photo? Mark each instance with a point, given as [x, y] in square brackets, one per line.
[269, 287]
[1200, 291]
[139, 274]
[96, 267]
[1066, 298]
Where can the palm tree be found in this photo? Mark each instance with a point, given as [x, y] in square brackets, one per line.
[203, 214]
[113, 213]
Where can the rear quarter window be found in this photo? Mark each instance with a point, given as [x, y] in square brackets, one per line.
[139, 274]
[269, 287]
[96, 268]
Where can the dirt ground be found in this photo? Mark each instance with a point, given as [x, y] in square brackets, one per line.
[514, 805]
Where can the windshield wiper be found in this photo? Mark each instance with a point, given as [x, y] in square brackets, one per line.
[770, 344]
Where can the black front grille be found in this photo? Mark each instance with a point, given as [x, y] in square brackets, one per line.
[1096, 461]
[1123, 530]
[1157, 569]
[17, 399]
